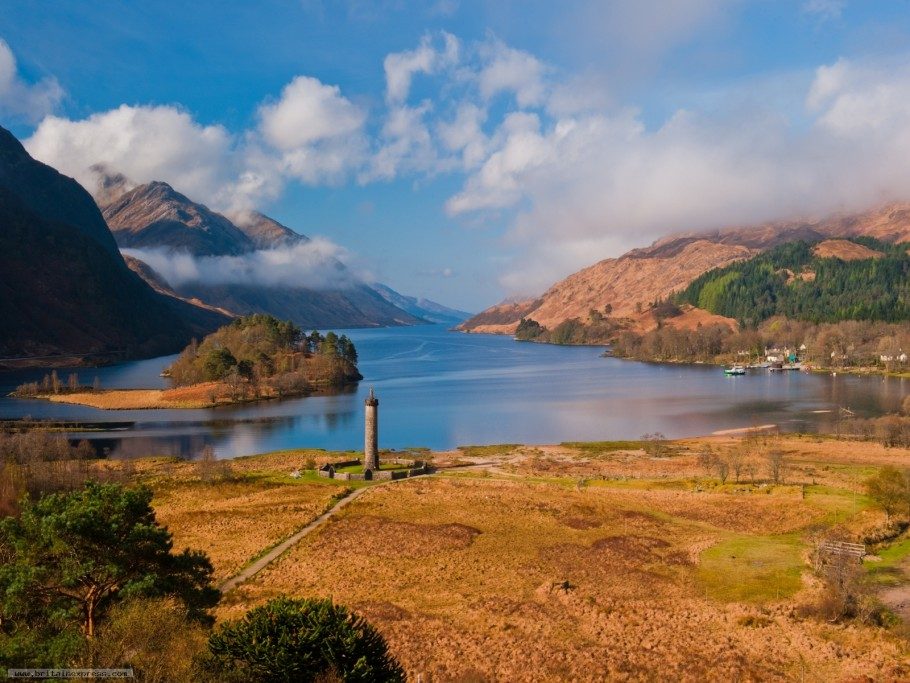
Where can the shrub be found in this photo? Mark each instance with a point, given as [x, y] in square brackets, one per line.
[299, 640]
[155, 637]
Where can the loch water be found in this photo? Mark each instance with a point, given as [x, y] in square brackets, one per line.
[442, 389]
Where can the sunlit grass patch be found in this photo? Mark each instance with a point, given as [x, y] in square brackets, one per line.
[603, 446]
[887, 570]
[752, 568]
[489, 451]
[838, 504]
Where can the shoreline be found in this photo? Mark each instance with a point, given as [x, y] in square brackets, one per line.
[861, 371]
[194, 397]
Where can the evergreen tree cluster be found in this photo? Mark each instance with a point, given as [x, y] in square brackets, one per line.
[261, 349]
[790, 280]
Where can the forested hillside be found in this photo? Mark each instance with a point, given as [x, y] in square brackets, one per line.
[794, 281]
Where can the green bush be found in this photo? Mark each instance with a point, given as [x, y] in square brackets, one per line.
[301, 640]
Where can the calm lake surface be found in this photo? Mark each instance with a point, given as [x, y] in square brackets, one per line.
[443, 389]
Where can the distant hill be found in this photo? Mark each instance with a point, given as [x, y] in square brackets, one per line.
[155, 215]
[834, 280]
[422, 308]
[627, 286]
[64, 288]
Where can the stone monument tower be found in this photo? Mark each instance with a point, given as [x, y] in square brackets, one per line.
[371, 433]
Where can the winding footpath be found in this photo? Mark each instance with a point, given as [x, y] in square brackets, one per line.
[254, 568]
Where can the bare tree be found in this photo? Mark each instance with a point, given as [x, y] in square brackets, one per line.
[706, 460]
[722, 467]
[210, 468]
[777, 464]
[655, 444]
[750, 468]
[737, 460]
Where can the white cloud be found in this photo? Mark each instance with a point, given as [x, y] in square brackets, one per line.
[407, 145]
[465, 134]
[506, 69]
[21, 100]
[311, 133]
[400, 67]
[143, 143]
[309, 112]
[590, 185]
[315, 264]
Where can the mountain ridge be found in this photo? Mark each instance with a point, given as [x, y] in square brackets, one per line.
[626, 286]
[156, 216]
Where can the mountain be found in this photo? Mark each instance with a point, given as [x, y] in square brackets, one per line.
[422, 308]
[155, 215]
[627, 286]
[65, 290]
[265, 232]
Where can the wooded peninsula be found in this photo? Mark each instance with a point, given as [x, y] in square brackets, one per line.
[252, 358]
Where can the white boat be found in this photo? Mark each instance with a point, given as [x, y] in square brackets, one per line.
[735, 370]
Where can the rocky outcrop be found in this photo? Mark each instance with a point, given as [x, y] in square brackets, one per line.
[265, 232]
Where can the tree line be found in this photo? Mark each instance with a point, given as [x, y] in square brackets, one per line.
[790, 280]
[846, 344]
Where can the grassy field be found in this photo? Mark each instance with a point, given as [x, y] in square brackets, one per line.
[568, 562]
[234, 511]
[580, 563]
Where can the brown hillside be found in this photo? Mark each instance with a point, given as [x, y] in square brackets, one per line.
[622, 283]
[644, 275]
[844, 250]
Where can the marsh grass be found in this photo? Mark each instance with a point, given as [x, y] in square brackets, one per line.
[758, 569]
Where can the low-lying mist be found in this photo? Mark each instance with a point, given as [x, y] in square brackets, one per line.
[315, 264]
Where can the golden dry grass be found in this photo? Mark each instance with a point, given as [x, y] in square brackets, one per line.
[234, 519]
[672, 575]
[462, 575]
[233, 522]
[203, 395]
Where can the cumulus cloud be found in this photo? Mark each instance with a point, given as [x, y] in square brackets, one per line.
[315, 264]
[22, 100]
[143, 143]
[307, 113]
[317, 132]
[312, 134]
[591, 185]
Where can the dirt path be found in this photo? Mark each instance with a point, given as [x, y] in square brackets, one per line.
[897, 598]
[251, 570]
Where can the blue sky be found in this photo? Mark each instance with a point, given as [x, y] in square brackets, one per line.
[466, 151]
